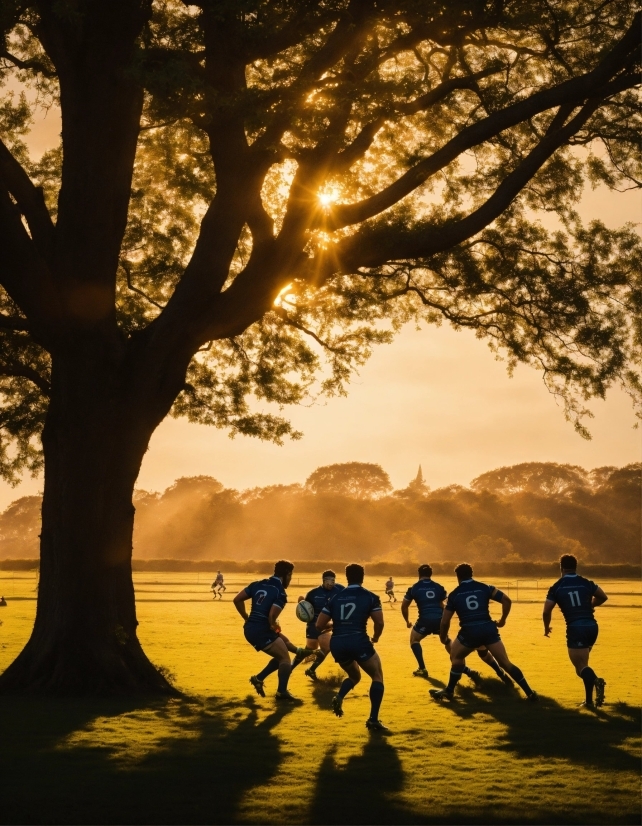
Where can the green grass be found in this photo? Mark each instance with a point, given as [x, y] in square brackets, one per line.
[224, 755]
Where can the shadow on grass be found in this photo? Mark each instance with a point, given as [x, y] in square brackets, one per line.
[81, 761]
[547, 729]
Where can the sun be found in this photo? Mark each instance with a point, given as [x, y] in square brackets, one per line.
[328, 196]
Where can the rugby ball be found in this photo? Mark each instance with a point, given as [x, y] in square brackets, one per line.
[305, 611]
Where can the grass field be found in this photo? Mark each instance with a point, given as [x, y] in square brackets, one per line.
[223, 755]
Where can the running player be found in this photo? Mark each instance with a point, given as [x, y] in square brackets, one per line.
[390, 590]
[314, 640]
[577, 598]
[262, 630]
[470, 601]
[218, 586]
[349, 611]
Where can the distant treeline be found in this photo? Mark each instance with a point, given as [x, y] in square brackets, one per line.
[528, 513]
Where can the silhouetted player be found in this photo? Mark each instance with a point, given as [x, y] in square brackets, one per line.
[314, 640]
[350, 645]
[470, 601]
[577, 598]
[262, 630]
[218, 586]
[390, 590]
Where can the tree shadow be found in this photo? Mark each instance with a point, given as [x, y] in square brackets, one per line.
[547, 729]
[126, 762]
[359, 791]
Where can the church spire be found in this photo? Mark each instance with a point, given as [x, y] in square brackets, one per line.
[419, 479]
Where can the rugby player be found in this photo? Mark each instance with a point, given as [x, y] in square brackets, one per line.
[314, 640]
[577, 598]
[429, 597]
[350, 646]
[470, 601]
[390, 590]
[262, 630]
[218, 586]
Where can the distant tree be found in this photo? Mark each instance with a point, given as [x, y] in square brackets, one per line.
[192, 488]
[245, 189]
[19, 528]
[361, 480]
[547, 478]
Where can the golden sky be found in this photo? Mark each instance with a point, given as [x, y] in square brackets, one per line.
[434, 397]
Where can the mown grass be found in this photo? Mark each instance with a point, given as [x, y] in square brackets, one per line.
[223, 755]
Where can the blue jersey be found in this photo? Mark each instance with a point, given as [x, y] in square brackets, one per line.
[470, 601]
[318, 597]
[428, 595]
[265, 594]
[573, 594]
[350, 610]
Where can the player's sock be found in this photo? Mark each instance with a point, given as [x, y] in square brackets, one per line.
[346, 685]
[376, 696]
[466, 671]
[492, 664]
[270, 668]
[517, 675]
[455, 677]
[419, 654]
[285, 669]
[319, 659]
[588, 676]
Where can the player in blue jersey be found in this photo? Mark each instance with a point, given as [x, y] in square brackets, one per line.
[262, 630]
[470, 601]
[577, 598]
[315, 642]
[350, 645]
[429, 597]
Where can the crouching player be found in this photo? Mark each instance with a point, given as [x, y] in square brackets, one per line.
[350, 646]
[470, 601]
[262, 630]
[315, 641]
[577, 598]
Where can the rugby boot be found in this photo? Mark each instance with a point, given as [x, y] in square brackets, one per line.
[257, 685]
[337, 705]
[420, 672]
[311, 674]
[440, 694]
[377, 725]
[287, 697]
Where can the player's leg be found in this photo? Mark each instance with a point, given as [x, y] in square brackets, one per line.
[279, 651]
[353, 678]
[580, 640]
[373, 668]
[311, 645]
[458, 654]
[322, 652]
[498, 651]
[485, 656]
[415, 646]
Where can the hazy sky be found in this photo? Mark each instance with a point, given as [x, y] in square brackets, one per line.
[435, 397]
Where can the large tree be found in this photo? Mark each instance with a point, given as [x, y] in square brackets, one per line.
[252, 193]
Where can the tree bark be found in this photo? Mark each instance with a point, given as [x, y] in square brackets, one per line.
[84, 638]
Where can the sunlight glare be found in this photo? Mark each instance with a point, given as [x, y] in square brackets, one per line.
[328, 196]
[281, 296]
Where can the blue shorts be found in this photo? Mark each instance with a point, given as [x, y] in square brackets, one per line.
[472, 636]
[427, 625]
[311, 632]
[351, 647]
[259, 636]
[581, 636]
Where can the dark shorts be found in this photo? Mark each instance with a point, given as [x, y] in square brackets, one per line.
[351, 647]
[427, 625]
[259, 636]
[472, 636]
[311, 632]
[581, 636]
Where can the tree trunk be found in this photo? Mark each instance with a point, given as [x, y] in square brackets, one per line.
[84, 639]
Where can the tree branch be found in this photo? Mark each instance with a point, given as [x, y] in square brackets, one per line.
[30, 200]
[14, 369]
[33, 64]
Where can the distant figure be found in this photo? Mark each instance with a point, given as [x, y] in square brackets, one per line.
[218, 586]
[3, 602]
[390, 590]
[577, 598]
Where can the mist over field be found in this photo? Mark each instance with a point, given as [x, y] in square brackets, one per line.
[528, 512]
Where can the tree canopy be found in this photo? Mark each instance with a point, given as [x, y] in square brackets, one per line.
[361, 480]
[251, 194]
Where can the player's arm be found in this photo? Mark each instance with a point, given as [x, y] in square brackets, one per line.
[599, 597]
[405, 604]
[239, 603]
[275, 610]
[547, 616]
[377, 620]
[322, 620]
[507, 604]
[444, 628]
